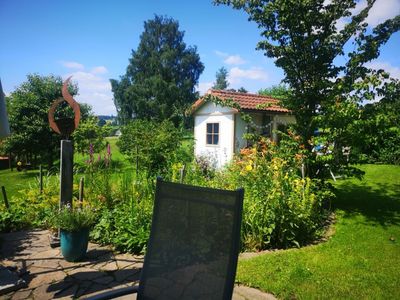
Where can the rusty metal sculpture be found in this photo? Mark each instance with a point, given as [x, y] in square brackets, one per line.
[65, 126]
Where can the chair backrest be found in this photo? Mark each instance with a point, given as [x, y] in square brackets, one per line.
[194, 243]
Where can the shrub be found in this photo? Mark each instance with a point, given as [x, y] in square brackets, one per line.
[127, 224]
[90, 133]
[73, 220]
[150, 145]
[13, 220]
[281, 208]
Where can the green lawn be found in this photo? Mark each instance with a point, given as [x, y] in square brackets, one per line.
[118, 158]
[15, 181]
[362, 258]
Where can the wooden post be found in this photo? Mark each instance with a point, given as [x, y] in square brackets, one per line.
[182, 173]
[66, 173]
[81, 187]
[3, 189]
[40, 179]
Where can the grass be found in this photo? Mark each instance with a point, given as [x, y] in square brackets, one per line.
[361, 260]
[15, 181]
[118, 158]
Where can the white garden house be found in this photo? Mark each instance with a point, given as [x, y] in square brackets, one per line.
[218, 130]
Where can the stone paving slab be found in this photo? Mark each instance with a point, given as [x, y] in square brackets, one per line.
[49, 276]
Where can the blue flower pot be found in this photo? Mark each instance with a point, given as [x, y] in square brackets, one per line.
[74, 244]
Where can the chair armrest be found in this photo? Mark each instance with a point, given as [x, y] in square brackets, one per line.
[115, 293]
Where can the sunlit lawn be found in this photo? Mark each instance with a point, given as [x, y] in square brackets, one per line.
[15, 181]
[361, 260]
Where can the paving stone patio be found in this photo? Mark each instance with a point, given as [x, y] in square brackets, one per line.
[49, 276]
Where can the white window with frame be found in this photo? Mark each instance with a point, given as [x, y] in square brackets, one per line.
[212, 136]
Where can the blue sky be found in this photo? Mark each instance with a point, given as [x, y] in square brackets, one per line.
[92, 40]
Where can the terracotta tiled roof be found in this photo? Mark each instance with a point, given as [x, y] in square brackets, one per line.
[245, 100]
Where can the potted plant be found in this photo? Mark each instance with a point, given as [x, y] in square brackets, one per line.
[74, 225]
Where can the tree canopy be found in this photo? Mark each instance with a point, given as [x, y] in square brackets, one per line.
[28, 108]
[377, 132]
[327, 82]
[279, 91]
[221, 82]
[152, 157]
[160, 80]
[89, 132]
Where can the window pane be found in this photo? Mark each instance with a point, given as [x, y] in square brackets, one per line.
[216, 127]
[215, 139]
[209, 138]
[209, 127]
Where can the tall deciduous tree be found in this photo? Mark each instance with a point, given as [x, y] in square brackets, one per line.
[161, 76]
[28, 108]
[304, 39]
[221, 82]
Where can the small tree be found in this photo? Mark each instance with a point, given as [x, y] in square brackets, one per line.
[150, 145]
[90, 133]
[221, 82]
[28, 108]
[377, 133]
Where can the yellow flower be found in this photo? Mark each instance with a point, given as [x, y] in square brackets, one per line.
[249, 168]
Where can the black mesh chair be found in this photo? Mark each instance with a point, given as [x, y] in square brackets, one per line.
[193, 247]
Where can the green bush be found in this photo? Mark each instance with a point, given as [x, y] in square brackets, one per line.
[281, 209]
[89, 135]
[13, 220]
[151, 146]
[73, 220]
[127, 224]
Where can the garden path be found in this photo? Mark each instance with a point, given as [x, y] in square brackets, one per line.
[49, 276]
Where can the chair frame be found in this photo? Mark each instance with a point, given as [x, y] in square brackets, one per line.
[234, 246]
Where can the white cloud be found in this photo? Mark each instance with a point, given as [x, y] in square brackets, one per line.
[72, 65]
[383, 10]
[380, 12]
[236, 75]
[94, 89]
[99, 70]
[234, 60]
[203, 87]
[220, 53]
[230, 59]
[392, 70]
[341, 23]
